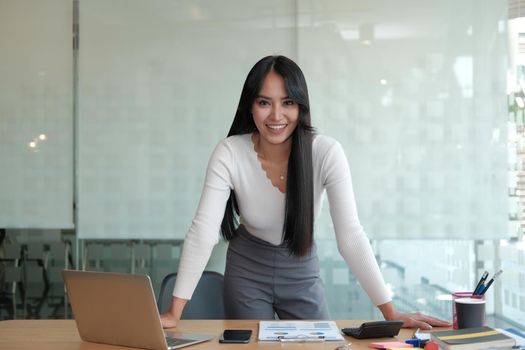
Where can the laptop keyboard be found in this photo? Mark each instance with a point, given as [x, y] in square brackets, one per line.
[177, 341]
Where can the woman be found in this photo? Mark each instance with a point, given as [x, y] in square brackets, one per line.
[263, 189]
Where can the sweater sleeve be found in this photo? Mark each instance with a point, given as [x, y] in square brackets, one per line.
[203, 234]
[352, 242]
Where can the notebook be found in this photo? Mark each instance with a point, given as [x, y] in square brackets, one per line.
[120, 309]
[472, 338]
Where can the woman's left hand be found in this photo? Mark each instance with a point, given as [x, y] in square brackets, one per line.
[418, 320]
[412, 319]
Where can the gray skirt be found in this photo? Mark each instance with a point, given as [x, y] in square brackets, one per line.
[262, 280]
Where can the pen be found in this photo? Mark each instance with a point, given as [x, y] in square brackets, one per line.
[491, 281]
[480, 283]
[414, 336]
[302, 340]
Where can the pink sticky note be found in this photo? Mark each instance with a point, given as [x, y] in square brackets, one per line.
[390, 345]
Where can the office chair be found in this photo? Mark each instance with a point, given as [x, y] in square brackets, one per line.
[207, 301]
[12, 273]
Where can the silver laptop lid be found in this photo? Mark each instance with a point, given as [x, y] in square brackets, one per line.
[117, 309]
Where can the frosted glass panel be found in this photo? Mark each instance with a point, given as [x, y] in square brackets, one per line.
[36, 147]
[159, 86]
[416, 93]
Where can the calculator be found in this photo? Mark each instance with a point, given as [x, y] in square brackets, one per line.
[375, 329]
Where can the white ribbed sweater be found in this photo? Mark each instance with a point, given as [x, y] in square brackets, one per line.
[234, 165]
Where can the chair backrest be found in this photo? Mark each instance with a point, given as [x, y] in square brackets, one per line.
[207, 302]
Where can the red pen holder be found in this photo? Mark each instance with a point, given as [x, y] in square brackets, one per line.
[457, 295]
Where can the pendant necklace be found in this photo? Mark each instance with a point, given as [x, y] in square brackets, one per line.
[282, 173]
[282, 176]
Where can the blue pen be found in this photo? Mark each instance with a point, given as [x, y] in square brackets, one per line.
[415, 341]
[490, 282]
[480, 285]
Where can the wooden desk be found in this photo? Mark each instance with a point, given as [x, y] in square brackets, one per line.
[63, 335]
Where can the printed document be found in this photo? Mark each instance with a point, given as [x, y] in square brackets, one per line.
[299, 331]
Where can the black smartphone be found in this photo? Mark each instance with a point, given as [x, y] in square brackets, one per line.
[236, 336]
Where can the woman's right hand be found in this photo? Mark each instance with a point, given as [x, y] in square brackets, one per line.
[170, 318]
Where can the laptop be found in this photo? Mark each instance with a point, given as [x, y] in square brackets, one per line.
[120, 309]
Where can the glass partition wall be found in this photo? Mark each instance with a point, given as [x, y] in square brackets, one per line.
[36, 114]
[158, 87]
[416, 92]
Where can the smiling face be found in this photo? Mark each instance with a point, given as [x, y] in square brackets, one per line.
[274, 113]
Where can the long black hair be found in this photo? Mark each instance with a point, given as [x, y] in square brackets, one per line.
[299, 211]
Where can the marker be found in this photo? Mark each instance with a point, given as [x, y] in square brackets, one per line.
[491, 281]
[478, 288]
